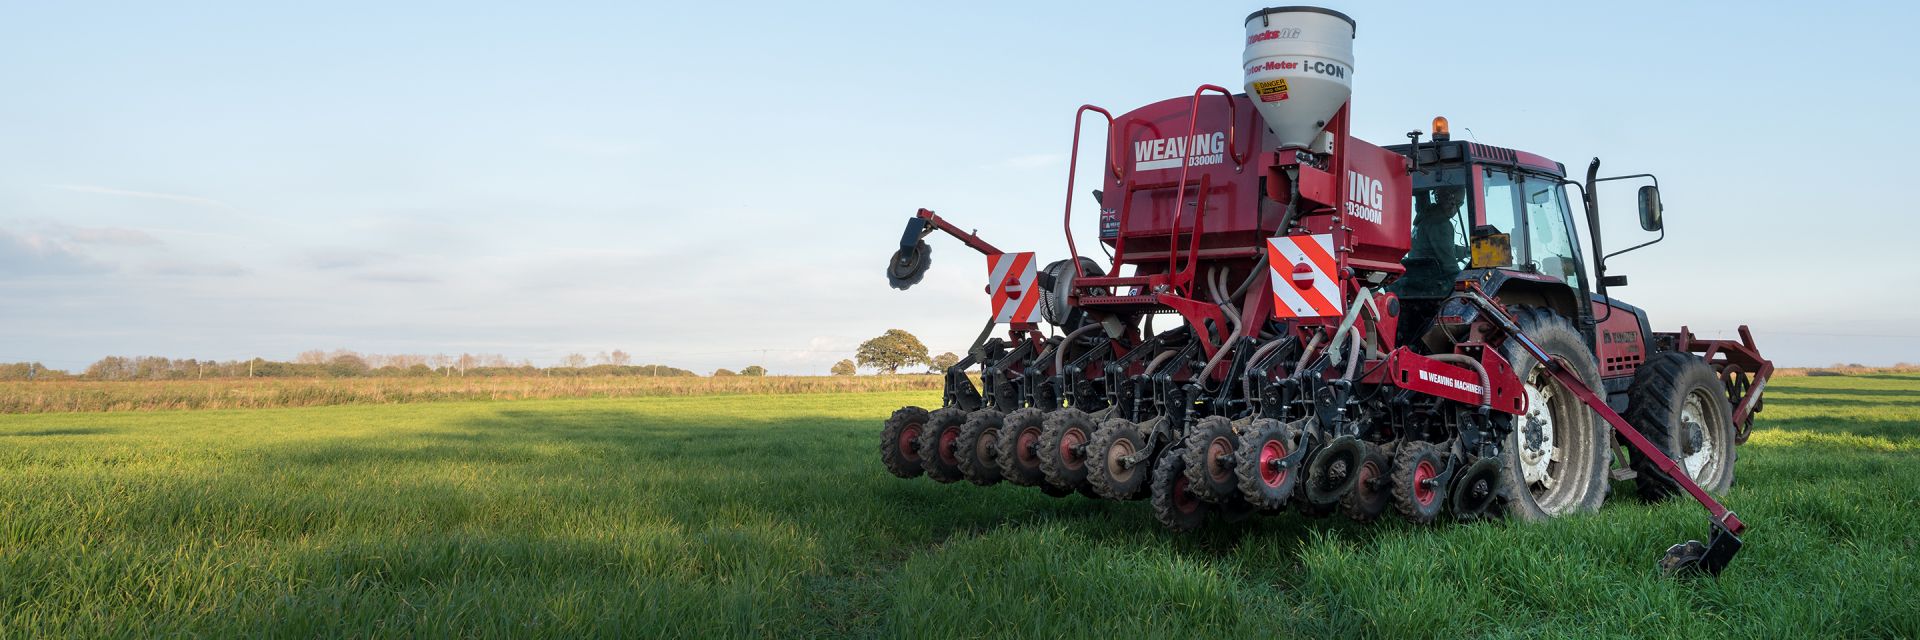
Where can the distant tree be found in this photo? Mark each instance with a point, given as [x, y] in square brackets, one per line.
[944, 360]
[844, 368]
[723, 373]
[754, 370]
[314, 356]
[347, 366]
[621, 358]
[891, 351]
[574, 361]
[110, 368]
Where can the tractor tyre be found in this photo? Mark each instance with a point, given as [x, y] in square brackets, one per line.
[937, 452]
[1678, 403]
[1264, 484]
[1112, 443]
[1174, 504]
[1560, 450]
[1211, 447]
[1373, 489]
[1063, 448]
[1417, 492]
[979, 438]
[900, 442]
[1019, 433]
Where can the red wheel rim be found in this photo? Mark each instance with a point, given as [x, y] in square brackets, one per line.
[1218, 450]
[1183, 500]
[905, 445]
[1423, 472]
[983, 447]
[1120, 450]
[1023, 451]
[1072, 438]
[946, 446]
[1269, 474]
[1367, 473]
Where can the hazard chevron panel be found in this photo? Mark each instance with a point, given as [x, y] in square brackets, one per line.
[1306, 281]
[1011, 278]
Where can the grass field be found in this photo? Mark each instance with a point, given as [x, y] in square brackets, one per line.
[755, 516]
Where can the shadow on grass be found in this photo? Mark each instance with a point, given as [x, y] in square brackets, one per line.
[71, 431]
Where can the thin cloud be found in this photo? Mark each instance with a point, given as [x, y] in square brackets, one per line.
[332, 259]
[111, 236]
[148, 195]
[197, 269]
[35, 254]
[397, 277]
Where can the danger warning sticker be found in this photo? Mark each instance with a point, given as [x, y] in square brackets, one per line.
[1273, 90]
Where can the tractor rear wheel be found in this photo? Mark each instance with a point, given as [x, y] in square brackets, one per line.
[900, 442]
[1678, 403]
[1063, 448]
[978, 439]
[1174, 504]
[1019, 433]
[1559, 451]
[1418, 492]
[1262, 480]
[1107, 470]
[1210, 451]
[937, 452]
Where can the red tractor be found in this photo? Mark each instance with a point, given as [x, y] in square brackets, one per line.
[1343, 327]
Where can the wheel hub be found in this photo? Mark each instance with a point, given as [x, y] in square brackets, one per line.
[1697, 448]
[1537, 448]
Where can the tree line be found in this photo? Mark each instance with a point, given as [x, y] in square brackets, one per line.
[341, 364]
[888, 353]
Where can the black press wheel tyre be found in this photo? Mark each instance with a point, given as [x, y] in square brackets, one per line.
[1107, 470]
[1262, 481]
[900, 442]
[979, 438]
[1373, 489]
[1559, 451]
[1211, 447]
[1678, 403]
[1174, 504]
[907, 266]
[1417, 492]
[937, 453]
[1063, 448]
[1019, 435]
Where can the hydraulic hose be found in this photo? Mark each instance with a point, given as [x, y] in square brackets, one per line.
[1246, 384]
[1060, 355]
[1486, 389]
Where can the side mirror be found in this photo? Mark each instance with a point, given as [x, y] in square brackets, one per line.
[1650, 208]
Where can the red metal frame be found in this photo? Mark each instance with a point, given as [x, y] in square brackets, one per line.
[965, 237]
[1073, 164]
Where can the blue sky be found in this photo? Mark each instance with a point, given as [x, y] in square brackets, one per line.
[717, 184]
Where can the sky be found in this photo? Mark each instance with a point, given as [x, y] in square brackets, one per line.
[714, 185]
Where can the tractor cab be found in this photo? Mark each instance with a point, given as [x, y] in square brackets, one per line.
[1510, 203]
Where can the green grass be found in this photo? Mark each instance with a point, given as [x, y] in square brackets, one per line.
[771, 516]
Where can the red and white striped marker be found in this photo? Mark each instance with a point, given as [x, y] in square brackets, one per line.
[1011, 278]
[1306, 282]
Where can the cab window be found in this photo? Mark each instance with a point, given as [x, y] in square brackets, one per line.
[1550, 247]
[1502, 204]
[1440, 226]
